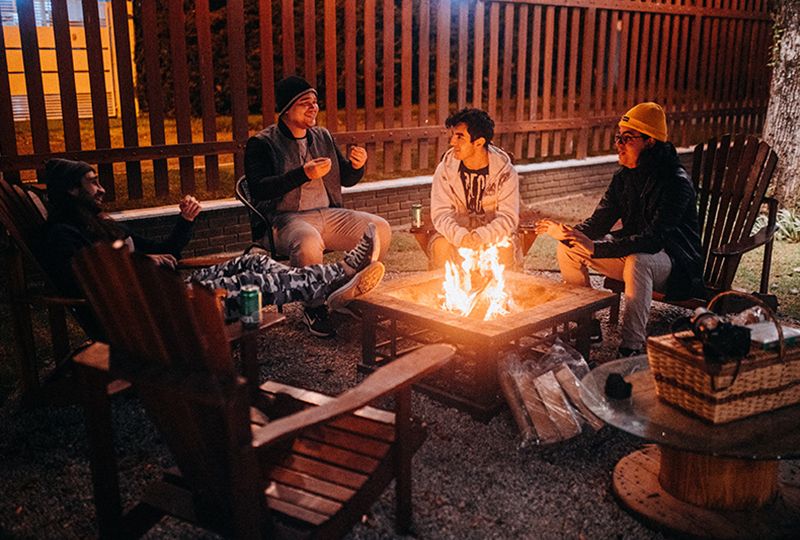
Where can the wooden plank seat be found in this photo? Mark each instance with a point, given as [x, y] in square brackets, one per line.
[283, 468]
[731, 176]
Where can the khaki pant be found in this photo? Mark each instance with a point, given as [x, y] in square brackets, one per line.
[642, 273]
[305, 236]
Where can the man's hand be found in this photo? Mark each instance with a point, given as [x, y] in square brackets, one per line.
[358, 156]
[164, 259]
[472, 241]
[317, 168]
[579, 242]
[189, 207]
[552, 228]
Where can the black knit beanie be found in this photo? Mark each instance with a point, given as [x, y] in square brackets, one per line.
[63, 175]
[289, 90]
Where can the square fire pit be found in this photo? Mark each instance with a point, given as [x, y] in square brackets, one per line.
[408, 308]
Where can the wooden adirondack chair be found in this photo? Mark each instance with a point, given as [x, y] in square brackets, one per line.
[23, 216]
[731, 176]
[313, 472]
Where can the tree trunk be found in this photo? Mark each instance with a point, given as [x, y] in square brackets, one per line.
[783, 112]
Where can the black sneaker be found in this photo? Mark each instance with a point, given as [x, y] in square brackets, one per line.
[624, 352]
[361, 283]
[366, 251]
[318, 322]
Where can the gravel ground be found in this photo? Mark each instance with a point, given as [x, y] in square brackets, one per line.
[470, 478]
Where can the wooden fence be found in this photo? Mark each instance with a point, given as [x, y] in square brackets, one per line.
[554, 74]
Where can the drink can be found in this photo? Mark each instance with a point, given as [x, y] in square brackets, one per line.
[250, 305]
[416, 215]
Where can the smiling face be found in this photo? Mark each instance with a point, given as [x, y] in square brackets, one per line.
[90, 191]
[630, 144]
[302, 115]
[464, 148]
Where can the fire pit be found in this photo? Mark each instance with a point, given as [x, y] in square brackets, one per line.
[409, 310]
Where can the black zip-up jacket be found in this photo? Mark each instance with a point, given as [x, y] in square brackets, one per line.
[274, 169]
[657, 212]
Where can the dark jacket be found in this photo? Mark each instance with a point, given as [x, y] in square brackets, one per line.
[657, 212]
[274, 169]
[63, 241]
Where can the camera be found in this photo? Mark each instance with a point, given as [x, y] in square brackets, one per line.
[721, 339]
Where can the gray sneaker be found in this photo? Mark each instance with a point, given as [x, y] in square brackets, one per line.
[366, 251]
[361, 283]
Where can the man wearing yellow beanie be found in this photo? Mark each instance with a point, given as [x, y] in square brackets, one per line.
[658, 245]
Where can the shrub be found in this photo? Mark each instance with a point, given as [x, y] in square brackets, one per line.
[787, 228]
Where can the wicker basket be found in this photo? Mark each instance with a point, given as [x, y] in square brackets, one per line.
[760, 382]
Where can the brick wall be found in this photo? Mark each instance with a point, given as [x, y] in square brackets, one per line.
[228, 228]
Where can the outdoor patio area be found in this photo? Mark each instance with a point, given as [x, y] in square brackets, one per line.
[471, 479]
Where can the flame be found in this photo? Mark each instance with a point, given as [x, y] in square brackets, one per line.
[477, 281]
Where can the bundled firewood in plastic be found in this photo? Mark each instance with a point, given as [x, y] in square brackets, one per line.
[544, 394]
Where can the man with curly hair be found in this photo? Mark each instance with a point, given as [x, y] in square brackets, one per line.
[475, 192]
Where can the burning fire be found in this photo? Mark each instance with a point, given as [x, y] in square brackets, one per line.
[477, 285]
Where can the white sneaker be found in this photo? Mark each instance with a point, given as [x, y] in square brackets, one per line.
[361, 283]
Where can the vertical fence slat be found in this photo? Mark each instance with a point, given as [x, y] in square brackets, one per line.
[33, 77]
[237, 54]
[561, 64]
[66, 74]
[672, 69]
[463, 52]
[586, 77]
[442, 69]
[8, 139]
[405, 79]
[370, 79]
[406, 37]
[310, 41]
[287, 38]
[617, 33]
[679, 137]
[331, 104]
[97, 83]
[494, 37]
[155, 97]
[547, 86]
[424, 76]
[751, 73]
[205, 55]
[572, 78]
[180, 77]
[633, 61]
[388, 81]
[350, 72]
[477, 56]
[127, 102]
[536, 42]
[661, 86]
[267, 62]
[521, 69]
[508, 51]
[603, 71]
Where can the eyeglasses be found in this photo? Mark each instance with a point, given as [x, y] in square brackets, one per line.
[626, 138]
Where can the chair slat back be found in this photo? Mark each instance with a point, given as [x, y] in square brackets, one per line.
[170, 342]
[23, 219]
[731, 176]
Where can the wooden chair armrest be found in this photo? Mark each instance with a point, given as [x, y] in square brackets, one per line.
[401, 372]
[762, 237]
[203, 261]
[95, 356]
[235, 331]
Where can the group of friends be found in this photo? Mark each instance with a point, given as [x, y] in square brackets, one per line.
[295, 174]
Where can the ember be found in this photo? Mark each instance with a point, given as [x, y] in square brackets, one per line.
[477, 288]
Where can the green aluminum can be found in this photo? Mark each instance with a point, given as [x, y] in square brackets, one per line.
[250, 305]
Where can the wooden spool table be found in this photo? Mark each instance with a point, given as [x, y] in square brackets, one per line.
[709, 480]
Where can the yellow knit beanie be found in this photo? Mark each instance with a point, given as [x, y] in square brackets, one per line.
[647, 118]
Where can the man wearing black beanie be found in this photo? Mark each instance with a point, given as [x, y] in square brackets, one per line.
[295, 173]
